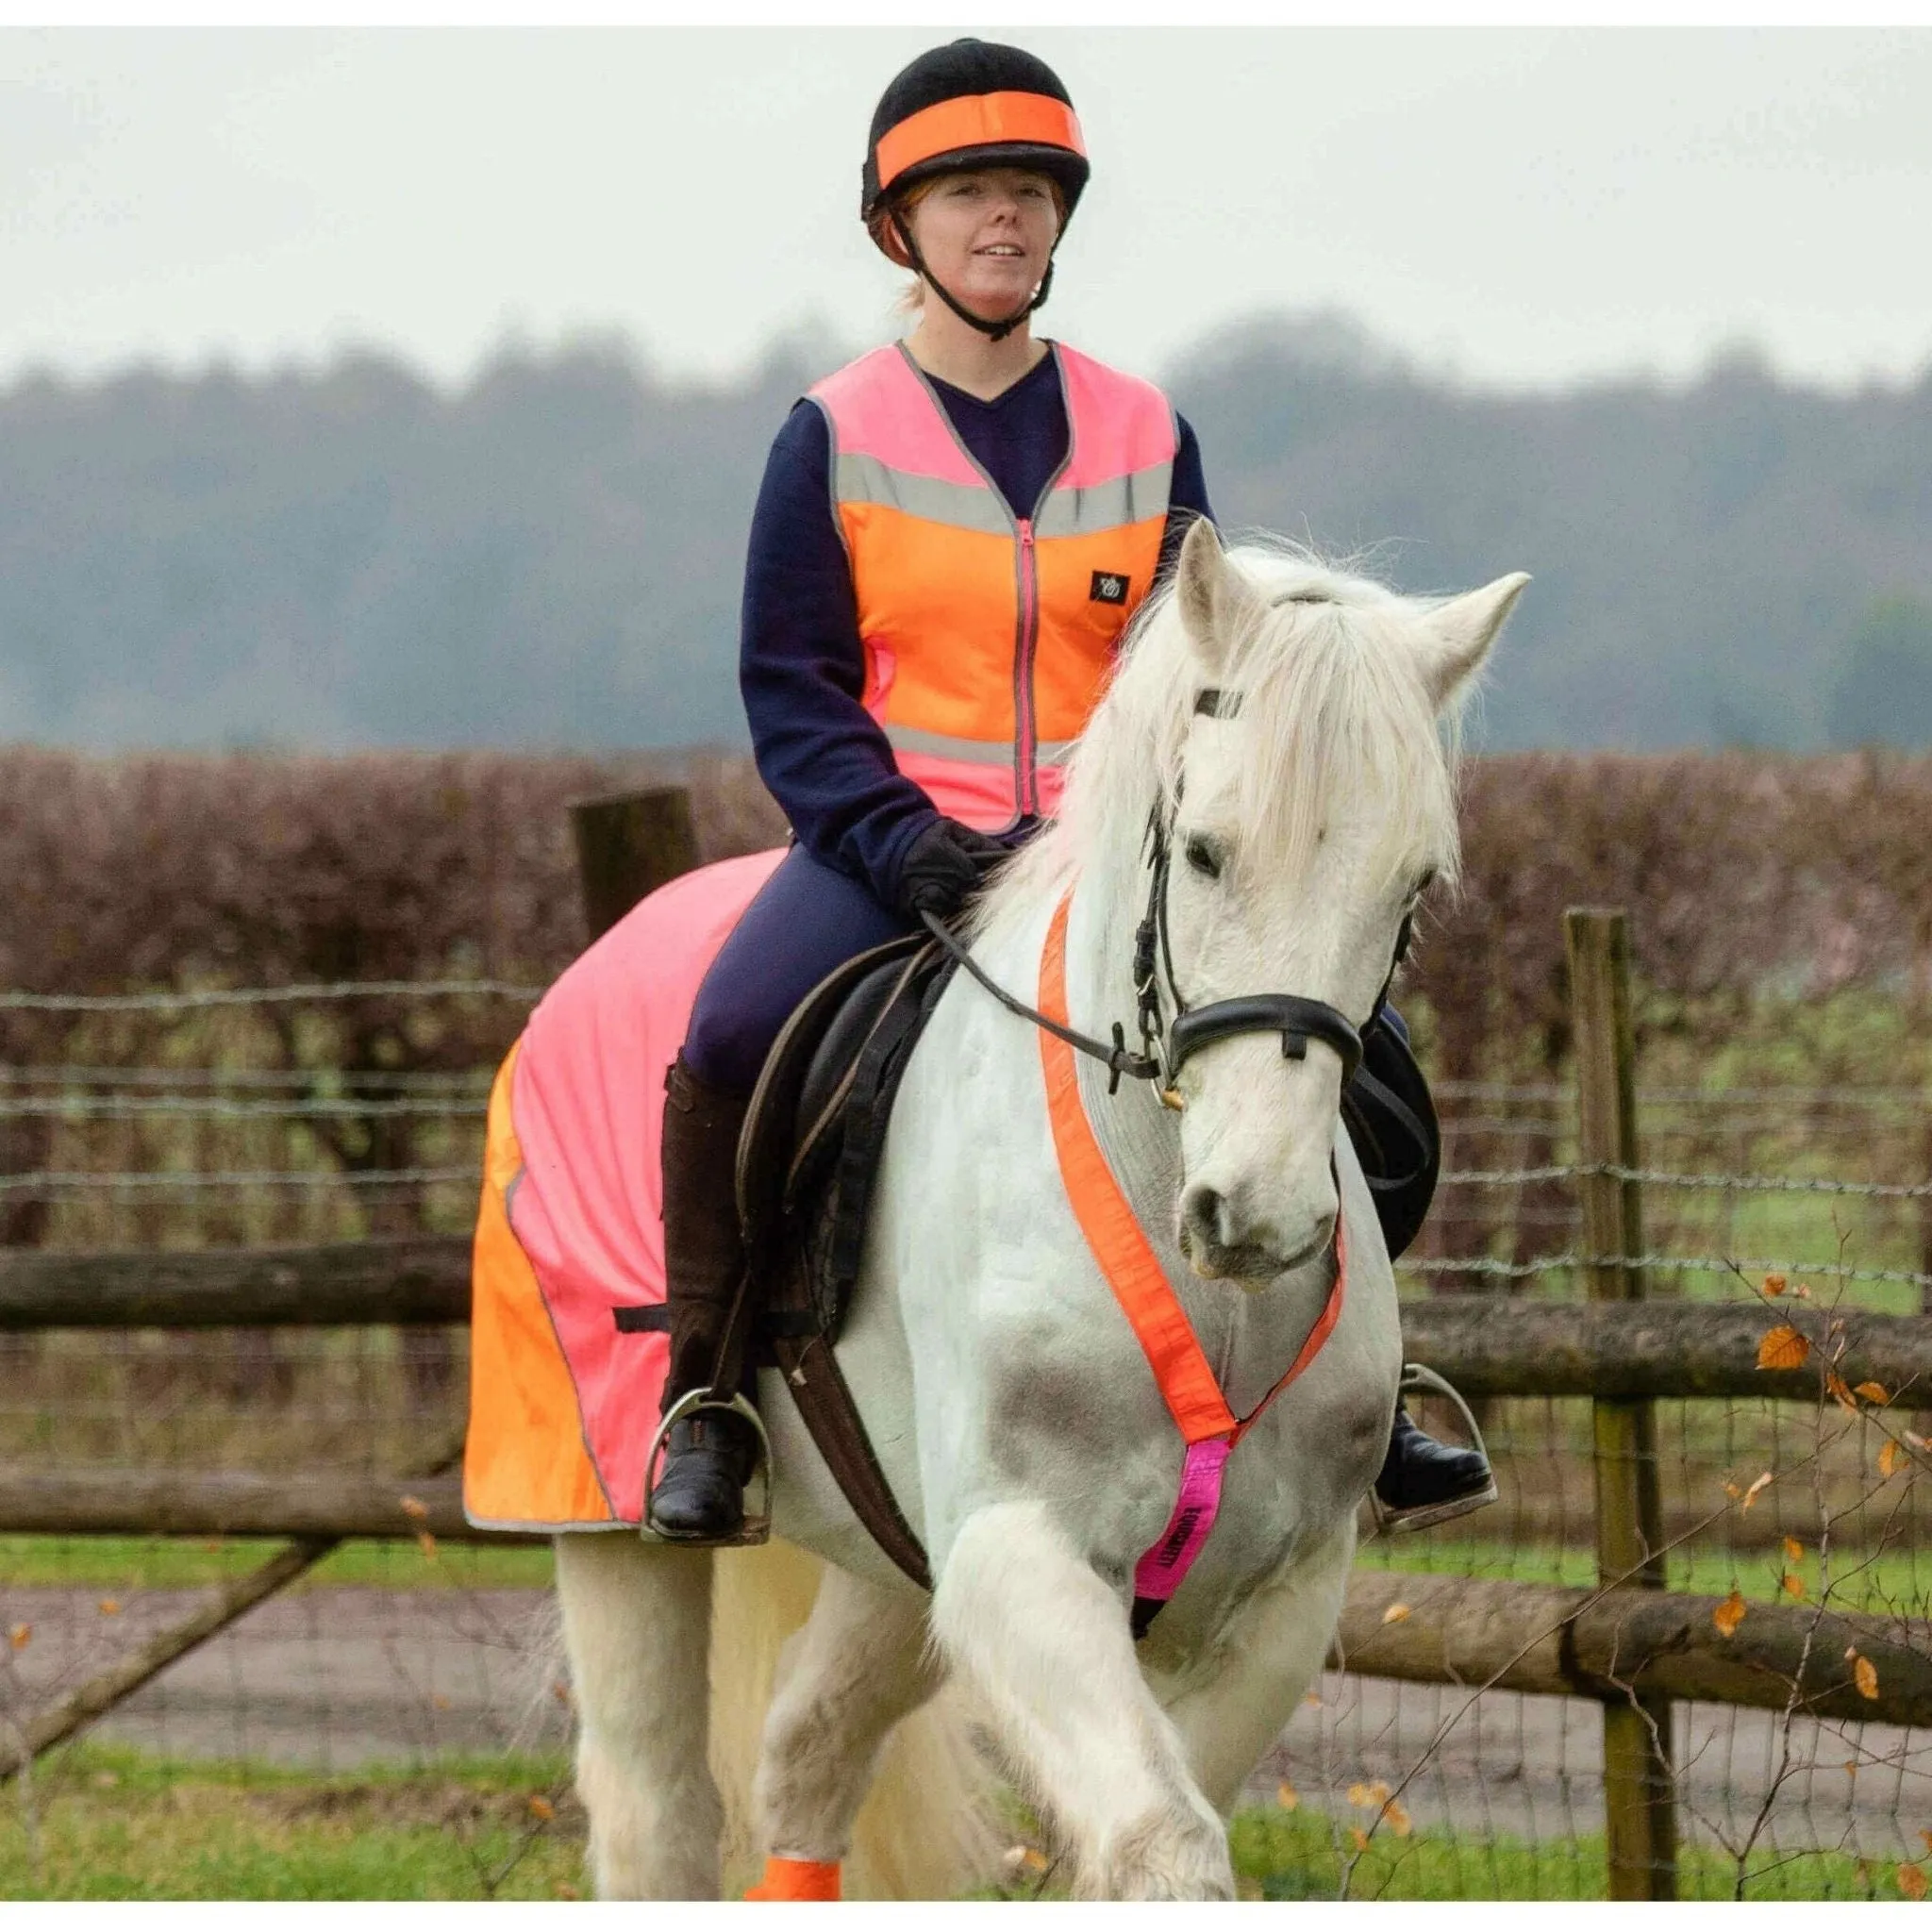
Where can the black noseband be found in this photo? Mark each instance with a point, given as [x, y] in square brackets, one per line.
[1298, 1021]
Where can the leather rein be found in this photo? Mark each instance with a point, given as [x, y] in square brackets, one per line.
[1167, 1045]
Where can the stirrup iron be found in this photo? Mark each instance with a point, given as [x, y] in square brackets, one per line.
[757, 1525]
[1417, 1378]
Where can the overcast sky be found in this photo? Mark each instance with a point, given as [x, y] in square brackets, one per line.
[1525, 207]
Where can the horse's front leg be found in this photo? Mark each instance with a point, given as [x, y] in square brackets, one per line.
[1267, 1656]
[859, 1666]
[1046, 1644]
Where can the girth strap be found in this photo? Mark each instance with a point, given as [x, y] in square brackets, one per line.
[1139, 1284]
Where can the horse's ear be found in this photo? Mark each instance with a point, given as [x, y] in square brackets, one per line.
[1461, 631]
[1218, 602]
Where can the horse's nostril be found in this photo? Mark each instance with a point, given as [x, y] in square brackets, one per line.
[1207, 1216]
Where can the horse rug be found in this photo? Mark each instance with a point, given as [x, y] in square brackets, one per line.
[562, 1404]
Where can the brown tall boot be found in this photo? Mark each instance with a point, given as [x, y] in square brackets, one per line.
[699, 1495]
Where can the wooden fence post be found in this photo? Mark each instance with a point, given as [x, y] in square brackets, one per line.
[628, 845]
[1640, 1808]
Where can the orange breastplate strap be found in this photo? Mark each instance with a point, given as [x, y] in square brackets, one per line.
[1139, 1284]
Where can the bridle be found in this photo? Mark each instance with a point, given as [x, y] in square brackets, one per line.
[1168, 1045]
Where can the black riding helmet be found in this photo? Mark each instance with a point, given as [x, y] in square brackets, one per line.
[971, 104]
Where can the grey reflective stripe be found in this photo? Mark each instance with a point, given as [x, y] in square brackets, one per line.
[963, 505]
[1135, 499]
[972, 751]
[936, 744]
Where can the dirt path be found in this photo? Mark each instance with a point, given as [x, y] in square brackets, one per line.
[334, 1678]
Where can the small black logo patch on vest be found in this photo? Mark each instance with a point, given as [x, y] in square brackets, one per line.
[1109, 587]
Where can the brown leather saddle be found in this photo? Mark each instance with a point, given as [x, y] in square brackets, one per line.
[806, 1161]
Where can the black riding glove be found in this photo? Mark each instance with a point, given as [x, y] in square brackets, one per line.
[944, 866]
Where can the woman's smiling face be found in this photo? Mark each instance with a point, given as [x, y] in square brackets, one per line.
[986, 235]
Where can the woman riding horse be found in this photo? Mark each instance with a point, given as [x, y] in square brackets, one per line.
[918, 653]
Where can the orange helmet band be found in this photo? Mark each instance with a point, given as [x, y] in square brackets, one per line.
[970, 121]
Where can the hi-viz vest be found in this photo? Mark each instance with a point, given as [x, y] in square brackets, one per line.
[989, 636]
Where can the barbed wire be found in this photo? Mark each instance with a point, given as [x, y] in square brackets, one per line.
[1661, 1177]
[1554, 1095]
[268, 995]
[316, 1177]
[465, 1080]
[197, 1106]
[1675, 1264]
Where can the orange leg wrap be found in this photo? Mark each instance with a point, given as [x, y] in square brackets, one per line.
[797, 1878]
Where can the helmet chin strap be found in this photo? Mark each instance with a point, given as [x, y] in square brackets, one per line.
[993, 332]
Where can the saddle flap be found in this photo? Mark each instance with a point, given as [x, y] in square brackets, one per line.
[766, 1143]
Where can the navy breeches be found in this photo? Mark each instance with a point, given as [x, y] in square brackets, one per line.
[806, 920]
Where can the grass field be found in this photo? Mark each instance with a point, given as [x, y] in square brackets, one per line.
[131, 1563]
[106, 1824]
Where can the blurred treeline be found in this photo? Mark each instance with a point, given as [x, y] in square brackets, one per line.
[549, 557]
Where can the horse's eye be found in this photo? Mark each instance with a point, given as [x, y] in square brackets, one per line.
[1204, 856]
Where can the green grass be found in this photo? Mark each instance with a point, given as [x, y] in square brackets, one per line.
[182, 1563]
[1897, 1579]
[1293, 1855]
[109, 1823]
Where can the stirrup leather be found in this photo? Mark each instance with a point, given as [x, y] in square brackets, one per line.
[756, 1527]
[1416, 1378]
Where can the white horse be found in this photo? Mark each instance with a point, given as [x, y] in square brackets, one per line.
[1009, 1400]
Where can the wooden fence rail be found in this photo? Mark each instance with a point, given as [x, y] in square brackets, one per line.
[1665, 1351]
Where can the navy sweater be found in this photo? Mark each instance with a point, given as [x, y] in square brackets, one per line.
[802, 666]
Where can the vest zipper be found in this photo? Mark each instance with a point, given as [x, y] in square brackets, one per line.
[1025, 744]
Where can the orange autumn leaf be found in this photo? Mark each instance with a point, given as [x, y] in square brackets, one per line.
[562, 1890]
[1733, 1491]
[1926, 1836]
[1782, 1347]
[414, 1506]
[1791, 1586]
[543, 1809]
[1835, 1387]
[1397, 1820]
[1756, 1488]
[428, 1543]
[1357, 1837]
[1794, 1550]
[1395, 1613]
[1774, 1284]
[1891, 1459]
[1033, 1858]
[1873, 1391]
[1313, 1699]
[110, 1608]
[1287, 1796]
[1911, 1881]
[21, 1636]
[1865, 1675]
[1729, 1614]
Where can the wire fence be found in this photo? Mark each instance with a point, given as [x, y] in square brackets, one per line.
[408, 1652]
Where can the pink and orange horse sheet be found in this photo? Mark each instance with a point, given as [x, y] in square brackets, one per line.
[562, 1406]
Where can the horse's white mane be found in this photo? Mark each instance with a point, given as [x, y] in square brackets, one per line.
[1331, 684]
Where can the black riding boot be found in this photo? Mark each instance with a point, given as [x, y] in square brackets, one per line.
[699, 1495]
[1425, 1481]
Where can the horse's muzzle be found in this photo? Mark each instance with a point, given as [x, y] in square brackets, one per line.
[1222, 1243]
